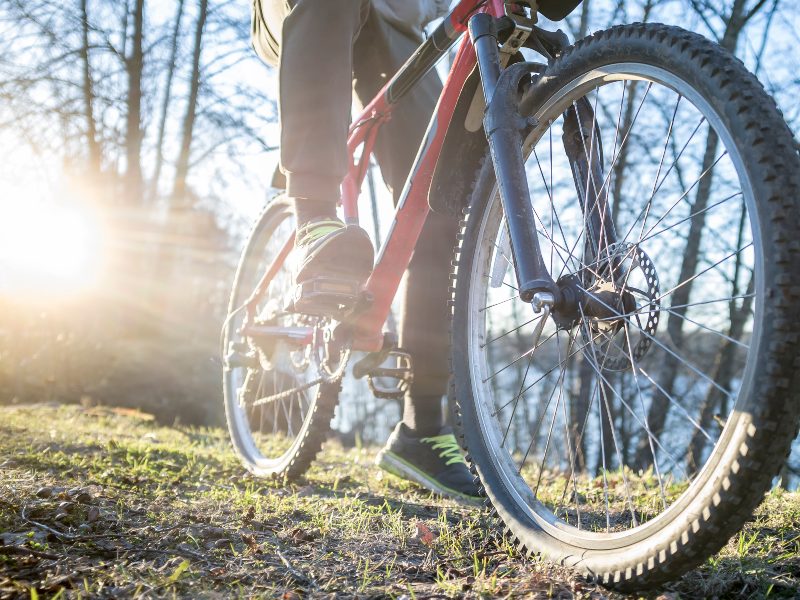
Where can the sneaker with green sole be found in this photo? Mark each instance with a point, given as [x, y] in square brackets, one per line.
[327, 247]
[434, 462]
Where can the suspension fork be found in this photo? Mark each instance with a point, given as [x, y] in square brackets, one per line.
[504, 126]
[584, 149]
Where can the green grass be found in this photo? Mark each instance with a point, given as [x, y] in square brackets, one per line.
[106, 503]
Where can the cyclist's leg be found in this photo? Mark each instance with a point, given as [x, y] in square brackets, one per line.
[381, 49]
[418, 448]
[304, 39]
[311, 41]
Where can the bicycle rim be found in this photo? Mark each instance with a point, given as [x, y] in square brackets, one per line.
[602, 430]
[272, 407]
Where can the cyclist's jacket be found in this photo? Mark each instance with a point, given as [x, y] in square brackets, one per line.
[414, 15]
[411, 15]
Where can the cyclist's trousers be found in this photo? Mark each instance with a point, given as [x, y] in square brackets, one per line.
[321, 48]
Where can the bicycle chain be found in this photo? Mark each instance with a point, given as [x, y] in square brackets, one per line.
[334, 377]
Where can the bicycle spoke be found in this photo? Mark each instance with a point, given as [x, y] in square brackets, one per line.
[489, 277]
[546, 373]
[569, 442]
[621, 462]
[549, 191]
[681, 197]
[650, 436]
[667, 350]
[520, 357]
[514, 297]
[706, 328]
[534, 437]
[516, 400]
[670, 398]
[660, 164]
[579, 440]
[689, 218]
[560, 387]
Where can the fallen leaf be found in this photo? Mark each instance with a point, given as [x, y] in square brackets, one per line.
[424, 534]
[304, 535]
[83, 497]
[44, 492]
[251, 542]
[250, 514]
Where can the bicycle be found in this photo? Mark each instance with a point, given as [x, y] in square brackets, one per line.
[631, 291]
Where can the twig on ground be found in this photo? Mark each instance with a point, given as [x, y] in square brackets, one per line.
[70, 537]
[23, 550]
[301, 577]
[179, 552]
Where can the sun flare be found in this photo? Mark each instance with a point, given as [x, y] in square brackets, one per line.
[47, 247]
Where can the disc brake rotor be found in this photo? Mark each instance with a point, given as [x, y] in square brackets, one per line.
[629, 275]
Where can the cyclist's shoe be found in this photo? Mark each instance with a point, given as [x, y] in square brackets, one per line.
[333, 262]
[433, 462]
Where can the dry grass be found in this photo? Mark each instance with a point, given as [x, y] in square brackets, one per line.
[106, 503]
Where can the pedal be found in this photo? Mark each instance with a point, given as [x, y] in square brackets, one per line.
[325, 297]
[400, 375]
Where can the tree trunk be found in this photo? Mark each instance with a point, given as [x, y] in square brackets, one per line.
[93, 146]
[580, 408]
[182, 165]
[133, 136]
[583, 27]
[165, 104]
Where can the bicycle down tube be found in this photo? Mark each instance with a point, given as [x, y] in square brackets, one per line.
[412, 208]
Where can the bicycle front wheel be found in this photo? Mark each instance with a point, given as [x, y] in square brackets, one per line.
[633, 439]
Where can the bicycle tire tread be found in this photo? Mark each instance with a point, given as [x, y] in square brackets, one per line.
[774, 423]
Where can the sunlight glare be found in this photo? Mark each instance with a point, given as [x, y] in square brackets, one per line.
[46, 247]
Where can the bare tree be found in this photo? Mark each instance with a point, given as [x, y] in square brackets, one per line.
[134, 66]
[167, 96]
[182, 164]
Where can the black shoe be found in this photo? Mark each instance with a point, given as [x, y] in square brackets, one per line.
[433, 462]
[329, 248]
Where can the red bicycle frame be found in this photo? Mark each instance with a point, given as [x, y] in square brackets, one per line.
[412, 207]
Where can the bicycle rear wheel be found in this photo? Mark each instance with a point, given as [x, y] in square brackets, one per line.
[631, 441]
[277, 411]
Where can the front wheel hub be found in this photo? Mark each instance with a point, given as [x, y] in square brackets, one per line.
[616, 302]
